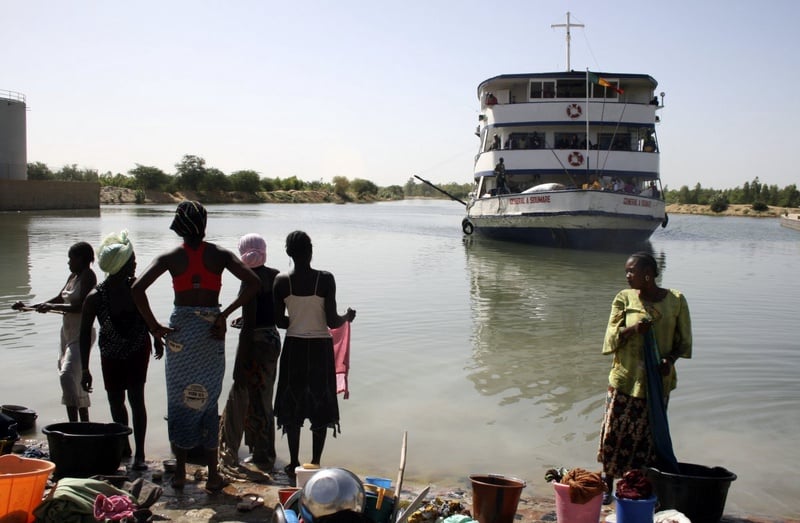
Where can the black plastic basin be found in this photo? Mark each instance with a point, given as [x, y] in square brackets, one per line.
[83, 449]
[698, 492]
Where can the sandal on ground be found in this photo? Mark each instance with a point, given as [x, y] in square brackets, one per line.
[214, 486]
[249, 502]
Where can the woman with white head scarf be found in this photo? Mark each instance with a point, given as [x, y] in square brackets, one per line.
[124, 340]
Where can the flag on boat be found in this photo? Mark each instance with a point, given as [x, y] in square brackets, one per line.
[602, 81]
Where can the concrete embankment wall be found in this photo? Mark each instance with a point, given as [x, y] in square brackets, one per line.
[24, 195]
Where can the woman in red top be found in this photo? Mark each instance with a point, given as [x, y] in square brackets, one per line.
[195, 338]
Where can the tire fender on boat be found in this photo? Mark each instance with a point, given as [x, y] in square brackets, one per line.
[575, 158]
[574, 111]
[467, 226]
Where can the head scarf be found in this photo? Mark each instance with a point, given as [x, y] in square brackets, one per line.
[190, 219]
[253, 250]
[114, 252]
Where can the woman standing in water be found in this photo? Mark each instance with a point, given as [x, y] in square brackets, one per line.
[307, 371]
[644, 310]
[195, 363]
[124, 340]
[70, 302]
[248, 410]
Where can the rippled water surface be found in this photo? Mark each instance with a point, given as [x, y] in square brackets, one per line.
[487, 353]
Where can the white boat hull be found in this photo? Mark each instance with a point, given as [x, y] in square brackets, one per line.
[576, 218]
[791, 221]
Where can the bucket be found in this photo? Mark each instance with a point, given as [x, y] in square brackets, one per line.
[286, 493]
[303, 474]
[83, 449]
[569, 512]
[378, 482]
[22, 483]
[635, 510]
[698, 492]
[379, 504]
[495, 497]
[25, 417]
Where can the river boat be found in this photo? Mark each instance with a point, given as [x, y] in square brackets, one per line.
[568, 159]
[791, 221]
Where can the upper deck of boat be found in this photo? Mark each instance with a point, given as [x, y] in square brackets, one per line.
[567, 86]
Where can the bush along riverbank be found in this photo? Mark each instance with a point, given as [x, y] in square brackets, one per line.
[121, 196]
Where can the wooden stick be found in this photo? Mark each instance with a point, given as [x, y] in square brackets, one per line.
[31, 309]
[401, 471]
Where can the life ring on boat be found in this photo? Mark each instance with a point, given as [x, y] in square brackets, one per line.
[575, 158]
[574, 111]
[467, 226]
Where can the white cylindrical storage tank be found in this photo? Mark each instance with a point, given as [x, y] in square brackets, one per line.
[13, 136]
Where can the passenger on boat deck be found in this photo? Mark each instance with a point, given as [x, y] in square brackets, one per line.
[616, 184]
[650, 190]
[491, 99]
[593, 184]
[573, 142]
[536, 142]
[500, 174]
[496, 142]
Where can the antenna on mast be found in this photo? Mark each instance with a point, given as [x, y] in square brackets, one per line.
[567, 25]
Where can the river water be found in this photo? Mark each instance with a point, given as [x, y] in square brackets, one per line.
[486, 353]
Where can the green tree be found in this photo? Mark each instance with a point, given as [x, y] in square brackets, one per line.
[340, 186]
[39, 171]
[392, 192]
[245, 181]
[190, 171]
[148, 177]
[268, 184]
[213, 180]
[363, 187]
[109, 179]
[790, 196]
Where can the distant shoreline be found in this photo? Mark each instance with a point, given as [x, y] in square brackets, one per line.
[732, 210]
[123, 196]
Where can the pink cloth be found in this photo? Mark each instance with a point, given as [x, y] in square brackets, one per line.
[114, 507]
[341, 355]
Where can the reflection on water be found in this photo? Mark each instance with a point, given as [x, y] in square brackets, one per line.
[538, 319]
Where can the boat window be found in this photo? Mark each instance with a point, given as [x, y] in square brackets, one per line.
[570, 140]
[542, 89]
[598, 91]
[571, 89]
[614, 142]
[519, 140]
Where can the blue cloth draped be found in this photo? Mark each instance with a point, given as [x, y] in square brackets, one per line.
[657, 407]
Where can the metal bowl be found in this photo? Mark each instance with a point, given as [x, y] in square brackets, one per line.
[332, 490]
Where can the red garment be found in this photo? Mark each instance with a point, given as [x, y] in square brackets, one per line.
[341, 355]
[196, 275]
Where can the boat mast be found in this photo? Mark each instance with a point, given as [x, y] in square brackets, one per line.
[567, 25]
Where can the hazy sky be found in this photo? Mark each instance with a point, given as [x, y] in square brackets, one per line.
[384, 90]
